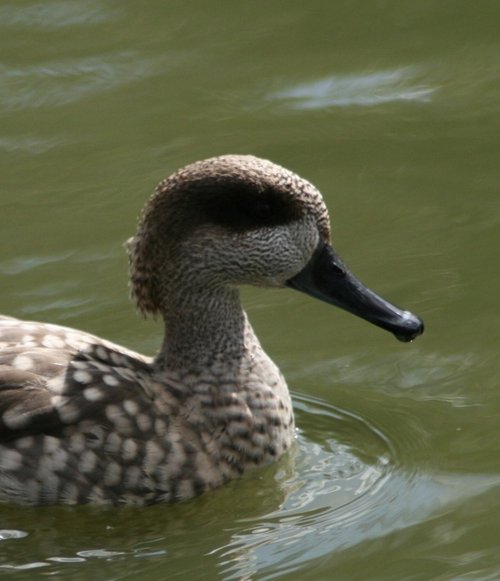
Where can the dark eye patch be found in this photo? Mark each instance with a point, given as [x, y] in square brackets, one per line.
[244, 208]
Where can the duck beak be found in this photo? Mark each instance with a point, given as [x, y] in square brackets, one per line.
[326, 277]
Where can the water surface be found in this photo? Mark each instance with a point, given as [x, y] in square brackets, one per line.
[391, 108]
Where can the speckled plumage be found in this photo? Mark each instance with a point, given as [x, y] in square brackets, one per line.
[85, 421]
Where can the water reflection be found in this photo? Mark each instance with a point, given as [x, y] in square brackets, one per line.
[29, 144]
[56, 83]
[56, 14]
[356, 89]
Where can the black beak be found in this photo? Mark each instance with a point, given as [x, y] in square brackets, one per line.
[326, 278]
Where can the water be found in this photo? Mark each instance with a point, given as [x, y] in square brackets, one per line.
[391, 109]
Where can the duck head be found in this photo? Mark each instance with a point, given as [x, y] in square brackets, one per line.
[237, 219]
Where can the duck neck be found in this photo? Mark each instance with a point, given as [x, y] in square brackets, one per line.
[206, 328]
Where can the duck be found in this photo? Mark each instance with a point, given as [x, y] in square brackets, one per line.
[86, 421]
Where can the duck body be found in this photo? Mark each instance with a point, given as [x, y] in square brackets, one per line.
[83, 420]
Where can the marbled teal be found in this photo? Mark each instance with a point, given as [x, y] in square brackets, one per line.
[83, 420]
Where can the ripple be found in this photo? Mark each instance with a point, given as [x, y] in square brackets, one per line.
[30, 144]
[350, 462]
[337, 499]
[54, 15]
[25, 567]
[55, 83]
[23, 264]
[65, 560]
[6, 534]
[367, 89]
[100, 554]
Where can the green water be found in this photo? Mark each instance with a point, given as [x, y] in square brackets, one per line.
[392, 109]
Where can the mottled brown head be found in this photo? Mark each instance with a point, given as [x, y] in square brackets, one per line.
[224, 218]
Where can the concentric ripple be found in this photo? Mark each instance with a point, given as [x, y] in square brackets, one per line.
[351, 462]
[335, 483]
[345, 490]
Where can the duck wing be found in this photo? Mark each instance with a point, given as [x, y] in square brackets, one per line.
[52, 377]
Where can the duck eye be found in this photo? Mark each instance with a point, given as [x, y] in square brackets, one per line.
[260, 210]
